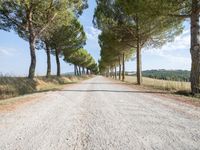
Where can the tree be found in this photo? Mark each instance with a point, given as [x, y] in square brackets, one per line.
[150, 29]
[62, 19]
[115, 50]
[135, 18]
[67, 38]
[31, 18]
[81, 58]
[115, 46]
[187, 9]
[195, 47]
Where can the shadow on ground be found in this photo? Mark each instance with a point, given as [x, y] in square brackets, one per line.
[111, 91]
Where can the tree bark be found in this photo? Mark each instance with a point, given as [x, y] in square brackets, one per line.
[115, 73]
[58, 63]
[195, 48]
[33, 58]
[79, 71]
[119, 68]
[83, 70]
[138, 55]
[139, 65]
[48, 61]
[32, 40]
[75, 70]
[110, 72]
[123, 67]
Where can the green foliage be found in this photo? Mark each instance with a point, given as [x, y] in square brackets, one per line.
[174, 75]
[153, 28]
[49, 21]
[127, 25]
[78, 5]
[83, 59]
[18, 14]
[173, 8]
[113, 39]
[67, 37]
[15, 14]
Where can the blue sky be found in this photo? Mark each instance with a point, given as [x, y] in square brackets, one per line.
[15, 57]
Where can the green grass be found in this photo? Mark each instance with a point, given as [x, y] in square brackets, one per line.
[15, 86]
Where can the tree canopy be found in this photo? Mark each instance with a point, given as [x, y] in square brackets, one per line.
[136, 25]
[30, 19]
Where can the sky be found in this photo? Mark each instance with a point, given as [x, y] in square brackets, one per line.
[15, 55]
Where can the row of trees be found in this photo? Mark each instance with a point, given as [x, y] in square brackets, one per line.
[130, 26]
[51, 25]
[83, 62]
[114, 53]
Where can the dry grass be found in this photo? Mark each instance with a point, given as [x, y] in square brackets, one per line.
[15, 86]
[171, 89]
[161, 84]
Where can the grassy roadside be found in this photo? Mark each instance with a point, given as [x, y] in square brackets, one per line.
[165, 85]
[171, 89]
[16, 86]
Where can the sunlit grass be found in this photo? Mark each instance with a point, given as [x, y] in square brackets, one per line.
[161, 84]
[15, 86]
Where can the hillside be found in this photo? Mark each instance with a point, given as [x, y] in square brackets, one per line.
[175, 75]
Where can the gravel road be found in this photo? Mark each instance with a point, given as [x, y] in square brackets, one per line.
[100, 114]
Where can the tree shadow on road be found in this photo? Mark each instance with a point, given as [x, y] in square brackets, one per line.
[112, 91]
[103, 83]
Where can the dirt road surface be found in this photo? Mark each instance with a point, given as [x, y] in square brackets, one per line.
[100, 114]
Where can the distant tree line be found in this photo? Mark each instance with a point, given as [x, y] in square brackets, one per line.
[175, 75]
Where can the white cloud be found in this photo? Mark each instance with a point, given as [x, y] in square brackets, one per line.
[175, 52]
[7, 51]
[92, 33]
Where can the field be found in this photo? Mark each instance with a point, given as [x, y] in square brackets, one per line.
[174, 75]
[161, 84]
[15, 86]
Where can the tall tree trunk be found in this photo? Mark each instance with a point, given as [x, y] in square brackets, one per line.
[123, 67]
[58, 63]
[115, 73]
[48, 61]
[195, 48]
[139, 55]
[83, 70]
[139, 65]
[33, 58]
[120, 68]
[75, 70]
[79, 71]
[110, 72]
[32, 39]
